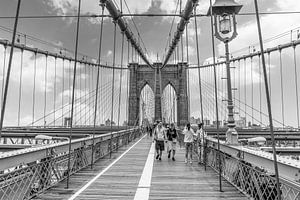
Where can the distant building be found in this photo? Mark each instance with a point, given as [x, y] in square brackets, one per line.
[241, 123]
[194, 120]
[215, 123]
[206, 122]
[108, 123]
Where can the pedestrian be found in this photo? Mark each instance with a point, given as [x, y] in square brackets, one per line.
[201, 135]
[159, 137]
[151, 130]
[189, 136]
[172, 141]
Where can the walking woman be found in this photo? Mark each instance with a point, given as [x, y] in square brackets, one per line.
[189, 135]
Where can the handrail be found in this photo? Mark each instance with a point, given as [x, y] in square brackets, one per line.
[251, 172]
[15, 158]
[26, 173]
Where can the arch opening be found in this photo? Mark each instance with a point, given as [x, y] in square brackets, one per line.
[169, 105]
[146, 105]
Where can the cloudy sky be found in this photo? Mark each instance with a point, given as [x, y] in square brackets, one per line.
[59, 33]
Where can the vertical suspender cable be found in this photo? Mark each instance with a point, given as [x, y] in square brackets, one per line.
[97, 85]
[20, 86]
[33, 92]
[281, 88]
[45, 92]
[128, 77]
[86, 98]
[252, 104]
[113, 86]
[54, 95]
[198, 62]
[70, 88]
[269, 64]
[216, 95]
[121, 73]
[62, 91]
[3, 72]
[77, 96]
[239, 89]
[9, 66]
[182, 58]
[188, 71]
[260, 100]
[268, 101]
[245, 89]
[91, 83]
[296, 84]
[73, 91]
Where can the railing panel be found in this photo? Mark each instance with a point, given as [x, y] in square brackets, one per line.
[253, 181]
[25, 180]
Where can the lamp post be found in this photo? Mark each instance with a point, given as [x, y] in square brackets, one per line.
[224, 12]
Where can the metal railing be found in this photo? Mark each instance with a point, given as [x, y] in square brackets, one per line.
[26, 173]
[249, 179]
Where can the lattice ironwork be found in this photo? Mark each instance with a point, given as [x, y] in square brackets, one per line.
[27, 180]
[253, 181]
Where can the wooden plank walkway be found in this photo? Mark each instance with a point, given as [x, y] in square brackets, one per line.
[170, 179]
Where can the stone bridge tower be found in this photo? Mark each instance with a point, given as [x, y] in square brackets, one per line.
[158, 79]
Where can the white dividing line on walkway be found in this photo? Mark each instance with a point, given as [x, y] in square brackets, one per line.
[102, 172]
[143, 190]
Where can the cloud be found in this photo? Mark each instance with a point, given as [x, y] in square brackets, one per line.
[109, 53]
[64, 7]
[271, 25]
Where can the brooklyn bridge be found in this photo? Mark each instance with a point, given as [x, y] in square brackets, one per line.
[84, 83]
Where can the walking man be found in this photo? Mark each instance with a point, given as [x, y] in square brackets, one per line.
[159, 137]
[172, 141]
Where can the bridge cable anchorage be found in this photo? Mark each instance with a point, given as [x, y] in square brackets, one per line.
[97, 85]
[73, 92]
[268, 100]
[117, 17]
[186, 15]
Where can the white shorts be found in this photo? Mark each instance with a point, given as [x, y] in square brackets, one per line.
[171, 145]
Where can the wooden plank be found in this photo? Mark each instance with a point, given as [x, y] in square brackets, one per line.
[170, 179]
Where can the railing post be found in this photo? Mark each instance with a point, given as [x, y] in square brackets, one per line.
[118, 140]
[110, 144]
[204, 153]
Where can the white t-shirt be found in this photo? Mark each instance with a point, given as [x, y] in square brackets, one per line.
[201, 134]
[160, 134]
[188, 135]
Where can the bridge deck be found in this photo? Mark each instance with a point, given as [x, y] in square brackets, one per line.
[164, 179]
